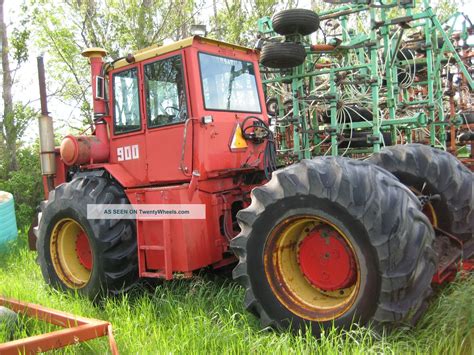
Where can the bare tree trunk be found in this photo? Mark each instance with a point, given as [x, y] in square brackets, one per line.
[216, 20]
[144, 33]
[7, 124]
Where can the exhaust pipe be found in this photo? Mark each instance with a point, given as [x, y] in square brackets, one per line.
[46, 132]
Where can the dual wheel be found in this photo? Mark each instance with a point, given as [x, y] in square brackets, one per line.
[333, 240]
[289, 23]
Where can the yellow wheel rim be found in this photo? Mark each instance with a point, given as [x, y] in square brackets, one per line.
[289, 280]
[68, 261]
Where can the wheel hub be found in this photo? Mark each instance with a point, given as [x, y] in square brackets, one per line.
[83, 250]
[297, 252]
[326, 260]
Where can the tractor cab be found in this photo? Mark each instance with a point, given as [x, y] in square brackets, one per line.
[178, 109]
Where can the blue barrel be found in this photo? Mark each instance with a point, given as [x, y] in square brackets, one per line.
[8, 228]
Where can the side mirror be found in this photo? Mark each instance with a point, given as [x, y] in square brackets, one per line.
[99, 87]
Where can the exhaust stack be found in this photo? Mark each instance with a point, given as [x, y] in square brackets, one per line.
[46, 131]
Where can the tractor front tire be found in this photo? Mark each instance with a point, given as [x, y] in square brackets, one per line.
[430, 171]
[90, 256]
[334, 241]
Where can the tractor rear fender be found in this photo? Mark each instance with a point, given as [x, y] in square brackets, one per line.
[116, 171]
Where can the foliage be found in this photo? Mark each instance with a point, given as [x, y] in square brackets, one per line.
[235, 21]
[445, 8]
[25, 184]
[64, 29]
[20, 37]
[206, 315]
[13, 127]
[16, 116]
[16, 122]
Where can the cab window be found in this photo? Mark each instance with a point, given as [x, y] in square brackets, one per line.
[126, 101]
[165, 92]
[228, 84]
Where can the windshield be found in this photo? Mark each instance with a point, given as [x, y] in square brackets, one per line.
[228, 84]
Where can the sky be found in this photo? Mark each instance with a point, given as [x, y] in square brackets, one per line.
[27, 87]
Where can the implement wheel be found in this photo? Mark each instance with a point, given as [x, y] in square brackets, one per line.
[295, 21]
[334, 240]
[282, 55]
[429, 171]
[89, 256]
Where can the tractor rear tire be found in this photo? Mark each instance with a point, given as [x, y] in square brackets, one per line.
[295, 21]
[372, 231]
[435, 172]
[282, 55]
[90, 256]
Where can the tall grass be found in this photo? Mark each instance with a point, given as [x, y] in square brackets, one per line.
[205, 315]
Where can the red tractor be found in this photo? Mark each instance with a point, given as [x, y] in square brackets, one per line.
[325, 240]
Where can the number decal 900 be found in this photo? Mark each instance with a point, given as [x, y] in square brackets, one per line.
[129, 152]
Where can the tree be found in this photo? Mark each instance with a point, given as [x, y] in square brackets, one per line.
[65, 28]
[236, 20]
[16, 116]
[9, 145]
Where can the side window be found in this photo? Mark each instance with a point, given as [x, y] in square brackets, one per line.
[126, 101]
[165, 92]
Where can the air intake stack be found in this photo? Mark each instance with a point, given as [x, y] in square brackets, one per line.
[95, 56]
[79, 150]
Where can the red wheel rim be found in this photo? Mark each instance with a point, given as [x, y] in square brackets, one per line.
[83, 250]
[326, 260]
[294, 255]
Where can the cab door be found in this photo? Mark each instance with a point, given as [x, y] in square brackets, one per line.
[169, 136]
[128, 149]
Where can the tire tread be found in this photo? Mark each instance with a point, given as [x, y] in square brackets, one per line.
[402, 236]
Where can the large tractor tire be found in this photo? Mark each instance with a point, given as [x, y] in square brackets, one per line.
[295, 21]
[334, 241]
[429, 171]
[89, 256]
[282, 55]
